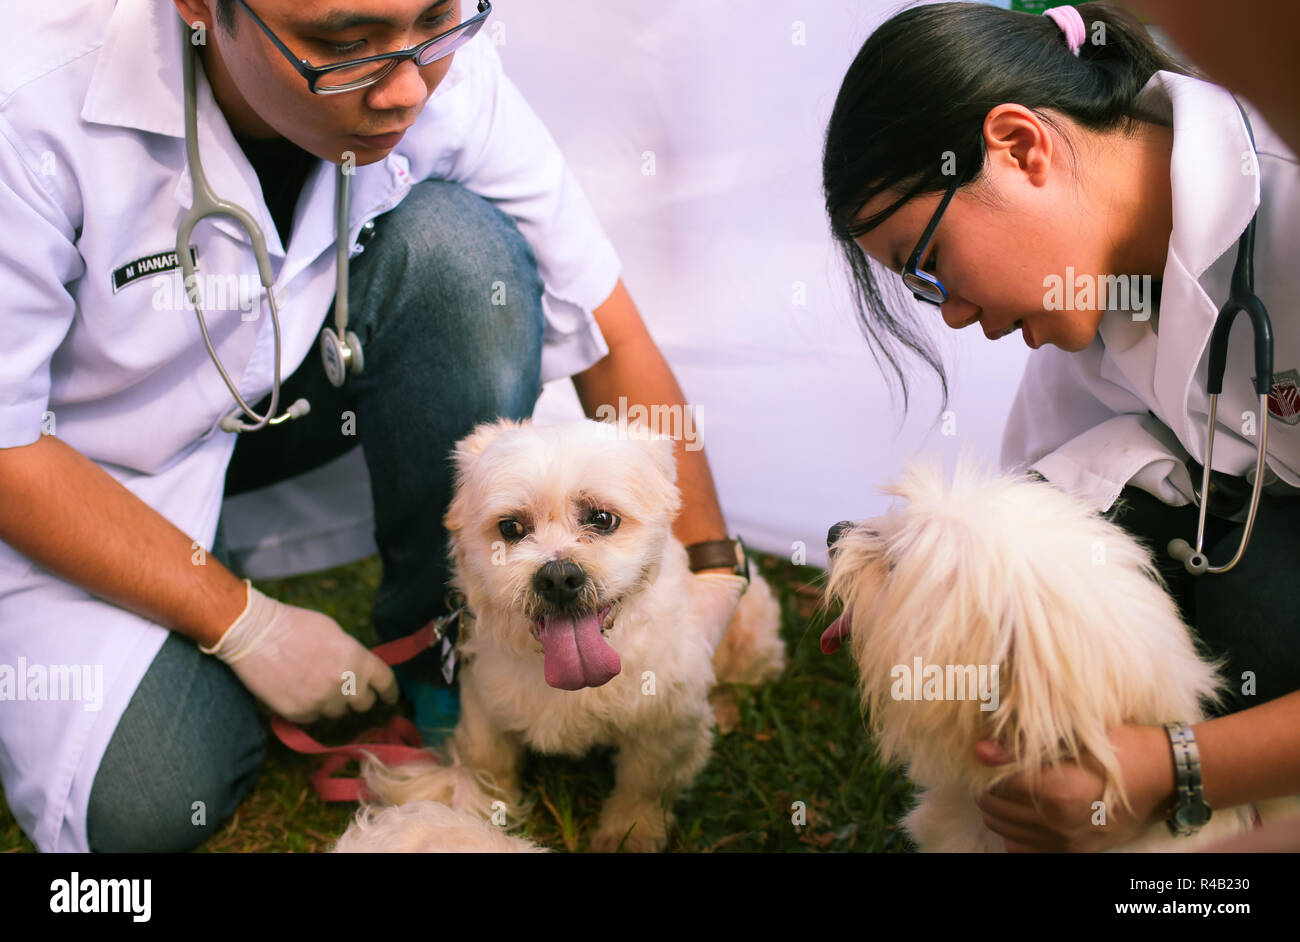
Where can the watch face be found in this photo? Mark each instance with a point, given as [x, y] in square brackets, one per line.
[1193, 815]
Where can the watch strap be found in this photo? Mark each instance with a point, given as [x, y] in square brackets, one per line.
[719, 554]
[1190, 812]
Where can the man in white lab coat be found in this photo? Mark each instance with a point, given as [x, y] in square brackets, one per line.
[479, 271]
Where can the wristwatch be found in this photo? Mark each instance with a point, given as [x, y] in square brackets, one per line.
[717, 554]
[1190, 813]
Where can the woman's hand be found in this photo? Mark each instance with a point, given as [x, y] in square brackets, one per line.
[1065, 819]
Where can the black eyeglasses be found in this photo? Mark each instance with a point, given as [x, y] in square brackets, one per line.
[926, 287]
[358, 73]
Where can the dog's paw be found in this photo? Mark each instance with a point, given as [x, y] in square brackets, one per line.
[726, 713]
[642, 830]
[752, 651]
[627, 840]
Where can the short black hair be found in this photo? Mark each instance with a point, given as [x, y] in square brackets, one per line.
[226, 14]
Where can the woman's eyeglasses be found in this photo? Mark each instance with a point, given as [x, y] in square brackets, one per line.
[924, 286]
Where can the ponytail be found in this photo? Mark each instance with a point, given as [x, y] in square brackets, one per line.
[1119, 57]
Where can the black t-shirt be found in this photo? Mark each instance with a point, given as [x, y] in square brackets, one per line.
[282, 168]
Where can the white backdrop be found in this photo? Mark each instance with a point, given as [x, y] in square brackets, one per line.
[727, 254]
[731, 101]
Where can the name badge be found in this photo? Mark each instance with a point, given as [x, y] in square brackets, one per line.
[150, 265]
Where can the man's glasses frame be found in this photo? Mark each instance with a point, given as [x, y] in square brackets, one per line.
[314, 74]
[924, 286]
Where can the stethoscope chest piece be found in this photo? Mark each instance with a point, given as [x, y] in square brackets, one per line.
[340, 348]
[341, 356]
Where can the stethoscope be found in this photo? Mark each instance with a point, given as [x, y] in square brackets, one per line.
[1241, 298]
[340, 347]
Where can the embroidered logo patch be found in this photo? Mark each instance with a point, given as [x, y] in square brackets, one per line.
[149, 265]
[1284, 399]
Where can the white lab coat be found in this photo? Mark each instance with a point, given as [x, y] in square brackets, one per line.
[1081, 419]
[93, 176]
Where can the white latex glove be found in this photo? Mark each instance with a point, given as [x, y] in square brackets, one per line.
[716, 596]
[293, 660]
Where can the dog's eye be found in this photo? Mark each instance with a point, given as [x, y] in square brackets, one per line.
[511, 529]
[602, 520]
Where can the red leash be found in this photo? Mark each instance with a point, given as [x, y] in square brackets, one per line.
[396, 743]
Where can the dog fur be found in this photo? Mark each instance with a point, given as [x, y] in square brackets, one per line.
[1000, 570]
[424, 827]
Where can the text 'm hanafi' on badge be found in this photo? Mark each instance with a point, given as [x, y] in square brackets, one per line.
[149, 265]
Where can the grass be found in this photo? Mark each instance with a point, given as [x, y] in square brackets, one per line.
[801, 740]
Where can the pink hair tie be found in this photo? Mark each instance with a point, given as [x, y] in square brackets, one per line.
[1071, 24]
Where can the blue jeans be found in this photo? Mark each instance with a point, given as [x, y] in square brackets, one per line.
[440, 357]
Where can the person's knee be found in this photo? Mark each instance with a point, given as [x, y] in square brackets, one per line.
[464, 266]
[446, 241]
[185, 754]
[143, 803]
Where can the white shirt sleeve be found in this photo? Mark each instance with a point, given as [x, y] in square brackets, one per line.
[38, 259]
[504, 153]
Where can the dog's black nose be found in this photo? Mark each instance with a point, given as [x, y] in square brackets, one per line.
[836, 531]
[559, 581]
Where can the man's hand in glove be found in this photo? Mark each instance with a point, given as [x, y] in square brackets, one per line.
[296, 661]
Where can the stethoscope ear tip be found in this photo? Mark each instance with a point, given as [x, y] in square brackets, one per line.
[1194, 561]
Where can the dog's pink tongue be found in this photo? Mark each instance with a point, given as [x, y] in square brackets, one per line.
[835, 634]
[576, 654]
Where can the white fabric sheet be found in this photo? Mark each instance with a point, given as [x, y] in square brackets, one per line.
[696, 132]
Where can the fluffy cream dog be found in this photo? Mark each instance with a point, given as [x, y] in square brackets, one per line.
[1009, 573]
[589, 628]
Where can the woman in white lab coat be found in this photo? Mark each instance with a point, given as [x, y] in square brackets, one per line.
[1045, 159]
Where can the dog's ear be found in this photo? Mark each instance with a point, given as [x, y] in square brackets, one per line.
[655, 444]
[464, 454]
[473, 444]
[660, 449]
[660, 490]
[657, 477]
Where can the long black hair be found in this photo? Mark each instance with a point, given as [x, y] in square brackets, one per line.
[911, 111]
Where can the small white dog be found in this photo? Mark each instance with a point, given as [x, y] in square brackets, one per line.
[1002, 608]
[588, 628]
